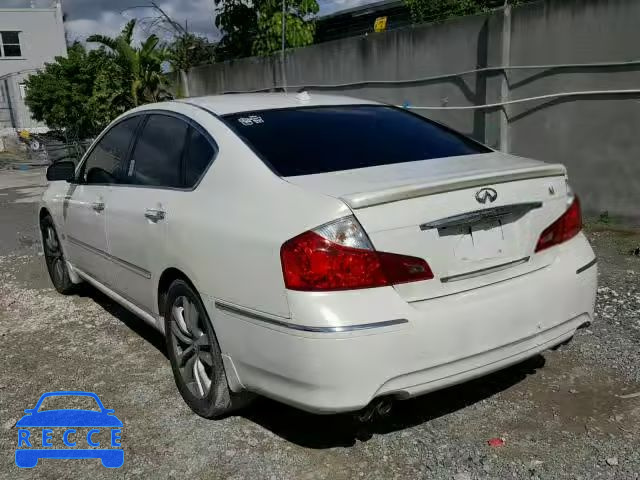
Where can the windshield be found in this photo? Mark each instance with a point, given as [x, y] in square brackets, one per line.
[304, 141]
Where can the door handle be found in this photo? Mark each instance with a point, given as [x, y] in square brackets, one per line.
[98, 206]
[154, 214]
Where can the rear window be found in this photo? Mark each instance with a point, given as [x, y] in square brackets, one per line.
[308, 140]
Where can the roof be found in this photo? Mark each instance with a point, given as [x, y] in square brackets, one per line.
[248, 102]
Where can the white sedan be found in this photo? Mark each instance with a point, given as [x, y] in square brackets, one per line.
[324, 251]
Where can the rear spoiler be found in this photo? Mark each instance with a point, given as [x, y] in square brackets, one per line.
[412, 190]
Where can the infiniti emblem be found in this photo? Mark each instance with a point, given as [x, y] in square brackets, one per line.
[485, 195]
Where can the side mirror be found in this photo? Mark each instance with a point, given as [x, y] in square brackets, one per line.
[64, 170]
[109, 411]
[30, 410]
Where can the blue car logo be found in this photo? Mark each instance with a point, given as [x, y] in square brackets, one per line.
[64, 432]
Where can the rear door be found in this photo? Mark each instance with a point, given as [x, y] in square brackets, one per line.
[86, 203]
[137, 217]
[167, 160]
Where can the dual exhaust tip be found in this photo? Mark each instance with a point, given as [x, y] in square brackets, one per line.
[380, 407]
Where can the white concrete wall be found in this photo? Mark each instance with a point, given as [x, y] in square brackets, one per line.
[41, 40]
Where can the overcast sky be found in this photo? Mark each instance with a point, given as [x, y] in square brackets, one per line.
[86, 17]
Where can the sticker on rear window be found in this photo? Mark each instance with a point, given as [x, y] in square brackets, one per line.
[250, 120]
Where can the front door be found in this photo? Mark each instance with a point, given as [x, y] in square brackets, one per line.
[87, 201]
[85, 229]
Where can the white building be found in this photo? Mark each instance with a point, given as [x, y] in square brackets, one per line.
[29, 37]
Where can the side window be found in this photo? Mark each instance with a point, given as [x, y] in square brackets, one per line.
[106, 162]
[156, 158]
[198, 156]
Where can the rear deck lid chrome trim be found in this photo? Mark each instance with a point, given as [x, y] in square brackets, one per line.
[478, 216]
[484, 271]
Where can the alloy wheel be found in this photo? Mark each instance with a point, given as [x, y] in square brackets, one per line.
[192, 346]
[53, 255]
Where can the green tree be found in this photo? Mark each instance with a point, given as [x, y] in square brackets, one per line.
[188, 50]
[238, 22]
[139, 68]
[60, 95]
[111, 95]
[83, 92]
[255, 27]
[184, 49]
[438, 10]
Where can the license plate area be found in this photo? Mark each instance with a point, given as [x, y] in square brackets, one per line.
[481, 241]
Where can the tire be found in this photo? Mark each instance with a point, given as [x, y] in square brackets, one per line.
[195, 354]
[54, 257]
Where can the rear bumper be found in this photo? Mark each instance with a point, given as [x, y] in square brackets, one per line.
[445, 341]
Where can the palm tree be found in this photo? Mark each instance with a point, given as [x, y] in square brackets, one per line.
[140, 66]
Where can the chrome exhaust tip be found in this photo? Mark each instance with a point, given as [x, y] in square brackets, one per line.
[383, 408]
[380, 407]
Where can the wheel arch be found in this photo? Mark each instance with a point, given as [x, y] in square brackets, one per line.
[44, 211]
[168, 276]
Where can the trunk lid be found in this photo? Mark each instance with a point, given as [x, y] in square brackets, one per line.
[429, 209]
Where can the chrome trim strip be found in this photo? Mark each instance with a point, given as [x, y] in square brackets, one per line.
[129, 266]
[477, 216]
[478, 287]
[305, 328]
[587, 266]
[484, 271]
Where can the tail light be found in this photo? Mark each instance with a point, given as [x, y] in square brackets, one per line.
[563, 229]
[339, 256]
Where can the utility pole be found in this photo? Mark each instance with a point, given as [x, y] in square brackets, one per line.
[282, 66]
[213, 15]
[504, 88]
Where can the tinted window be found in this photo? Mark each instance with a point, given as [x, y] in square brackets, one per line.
[199, 155]
[157, 157]
[305, 141]
[105, 163]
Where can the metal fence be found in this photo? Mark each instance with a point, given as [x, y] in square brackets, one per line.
[38, 150]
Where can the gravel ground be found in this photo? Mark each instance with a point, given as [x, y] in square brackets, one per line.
[570, 413]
